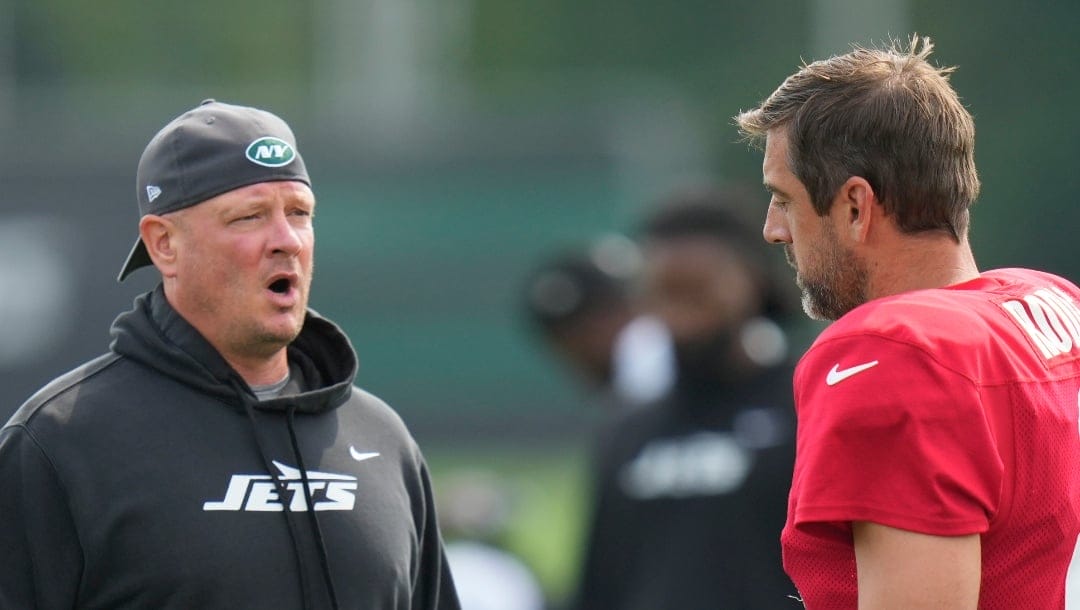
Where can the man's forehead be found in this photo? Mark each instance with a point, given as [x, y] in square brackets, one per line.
[273, 187]
[260, 191]
[776, 140]
[289, 191]
[776, 154]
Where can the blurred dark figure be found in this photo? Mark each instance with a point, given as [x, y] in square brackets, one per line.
[690, 495]
[581, 302]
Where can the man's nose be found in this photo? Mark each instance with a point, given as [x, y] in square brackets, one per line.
[775, 230]
[286, 237]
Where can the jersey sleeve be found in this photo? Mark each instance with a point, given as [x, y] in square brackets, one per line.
[41, 559]
[903, 442]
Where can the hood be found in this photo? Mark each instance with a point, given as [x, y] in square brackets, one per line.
[156, 336]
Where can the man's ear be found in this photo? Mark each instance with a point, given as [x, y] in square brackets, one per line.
[160, 236]
[859, 207]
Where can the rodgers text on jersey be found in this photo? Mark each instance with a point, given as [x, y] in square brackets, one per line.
[1050, 318]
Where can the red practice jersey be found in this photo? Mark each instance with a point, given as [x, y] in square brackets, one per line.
[948, 412]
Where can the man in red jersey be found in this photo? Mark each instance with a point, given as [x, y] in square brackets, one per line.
[938, 450]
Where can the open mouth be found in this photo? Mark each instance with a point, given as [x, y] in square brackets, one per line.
[280, 286]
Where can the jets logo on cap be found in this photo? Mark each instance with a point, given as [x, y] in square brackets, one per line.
[269, 151]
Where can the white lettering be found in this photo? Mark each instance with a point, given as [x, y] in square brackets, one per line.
[339, 496]
[703, 464]
[1049, 323]
[1051, 318]
[234, 495]
[328, 491]
[264, 498]
[299, 503]
[271, 151]
[1067, 309]
[1019, 313]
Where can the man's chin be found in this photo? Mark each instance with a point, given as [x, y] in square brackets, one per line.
[269, 345]
[282, 332]
[811, 309]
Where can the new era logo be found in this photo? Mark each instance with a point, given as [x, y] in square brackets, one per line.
[152, 192]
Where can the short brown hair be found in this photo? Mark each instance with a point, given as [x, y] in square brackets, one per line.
[886, 115]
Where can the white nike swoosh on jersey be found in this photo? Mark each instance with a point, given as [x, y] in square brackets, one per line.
[835, 376]
[360, 457]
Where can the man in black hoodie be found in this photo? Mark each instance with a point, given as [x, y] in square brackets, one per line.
[219, 455]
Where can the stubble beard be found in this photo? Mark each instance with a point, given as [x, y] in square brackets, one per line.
[255, 338]
[837, 285]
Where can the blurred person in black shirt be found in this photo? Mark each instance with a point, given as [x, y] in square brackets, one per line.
[690, 494]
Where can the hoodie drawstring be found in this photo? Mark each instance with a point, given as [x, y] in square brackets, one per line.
[312, 517]
[281, 494]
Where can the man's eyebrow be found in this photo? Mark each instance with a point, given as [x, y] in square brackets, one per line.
[775, 190]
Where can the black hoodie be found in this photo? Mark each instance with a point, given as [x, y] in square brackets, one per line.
[151, 477]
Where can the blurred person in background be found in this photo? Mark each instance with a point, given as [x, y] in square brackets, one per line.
[582, 305]
[938, 448]
[219, 455]
[690, 494]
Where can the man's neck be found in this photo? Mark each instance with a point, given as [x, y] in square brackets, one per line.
[261, 371]
[917, 262]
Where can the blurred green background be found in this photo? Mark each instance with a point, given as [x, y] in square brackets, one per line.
[455, 142]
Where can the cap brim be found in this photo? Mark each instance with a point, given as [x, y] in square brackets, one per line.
[138, 257]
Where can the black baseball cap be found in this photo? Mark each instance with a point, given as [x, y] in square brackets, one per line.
[209, 150]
